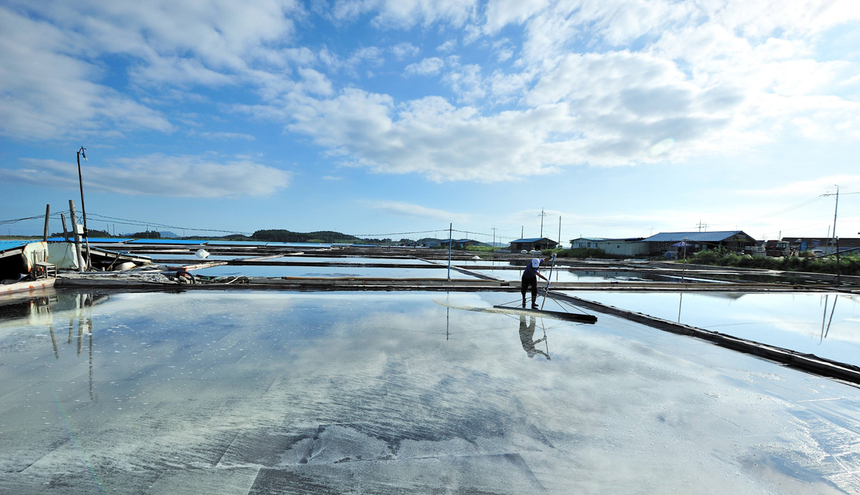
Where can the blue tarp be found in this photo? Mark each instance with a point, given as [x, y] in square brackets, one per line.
[100, 240]
[6, 245]
[168, 241]
[236, 243]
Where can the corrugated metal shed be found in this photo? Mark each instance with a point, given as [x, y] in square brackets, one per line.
[717, 236]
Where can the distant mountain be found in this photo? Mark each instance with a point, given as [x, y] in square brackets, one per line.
[281, 235]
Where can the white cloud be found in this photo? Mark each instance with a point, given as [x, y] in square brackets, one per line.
[397, 208]
[335, 62]
[427, 67]
[622, 103]
[159, 175]
[447, 46]
[49, 94]
[503, 12]
[51, 66]
[403, 50]
[714, 77]
[404, 14]
[433, 138]
[697, 83]
[504, 50]
[225, 135]
[314, 83]
[466, 81]
[804, 189]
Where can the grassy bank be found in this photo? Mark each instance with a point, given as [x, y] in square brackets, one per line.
[582, 253]
[849, 263]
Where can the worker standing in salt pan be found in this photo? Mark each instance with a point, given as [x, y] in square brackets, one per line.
[530, 279]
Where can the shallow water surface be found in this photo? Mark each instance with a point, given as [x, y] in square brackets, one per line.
[580, 276]
[827, 325]
[276, 392]
[357, 271]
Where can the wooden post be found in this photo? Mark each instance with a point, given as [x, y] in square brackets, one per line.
[65, 229]
[77, 236]
[47, 216]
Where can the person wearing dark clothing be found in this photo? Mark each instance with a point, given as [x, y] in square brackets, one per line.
[530, 280]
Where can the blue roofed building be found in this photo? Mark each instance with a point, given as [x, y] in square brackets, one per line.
[733, 240]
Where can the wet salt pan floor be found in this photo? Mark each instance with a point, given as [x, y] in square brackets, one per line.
[264, 392]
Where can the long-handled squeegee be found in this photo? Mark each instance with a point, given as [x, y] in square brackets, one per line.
[546, 289]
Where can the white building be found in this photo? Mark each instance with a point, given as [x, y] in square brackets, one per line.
[623, 247]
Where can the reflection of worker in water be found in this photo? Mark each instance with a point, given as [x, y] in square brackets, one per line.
[527, 333]
[530, 279]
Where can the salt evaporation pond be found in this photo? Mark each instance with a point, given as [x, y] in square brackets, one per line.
[189, 257]
[275, 392]
[346, 259]
[330, 272]
[576, 276]
[827, 325]
[246, 258]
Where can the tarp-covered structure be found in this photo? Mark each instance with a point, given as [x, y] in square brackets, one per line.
[18, 258]
[64, 256]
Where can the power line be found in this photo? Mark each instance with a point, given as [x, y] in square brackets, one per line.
[794, 207]
[401, 233]
[16, 220]
[123, 221]
[126, 221]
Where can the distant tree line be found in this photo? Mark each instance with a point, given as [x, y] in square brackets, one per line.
[282, 235]
[849, 262]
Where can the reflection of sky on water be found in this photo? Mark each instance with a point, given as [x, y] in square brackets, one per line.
[566, 275]
[331, 272]
[277, 392]
[191, 257]
[796, 321]
[347, 259]
[482, 262]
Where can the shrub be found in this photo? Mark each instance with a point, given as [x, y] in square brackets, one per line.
[583, 253]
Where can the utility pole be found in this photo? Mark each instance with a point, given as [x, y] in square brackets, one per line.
[542, 214]
[494, 239]
[82, 153]
[836, 239]
[702, 226]
[450, 243]
[559, 230]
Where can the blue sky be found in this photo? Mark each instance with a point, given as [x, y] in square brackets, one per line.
[621, 117]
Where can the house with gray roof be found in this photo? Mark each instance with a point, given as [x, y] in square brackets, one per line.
[733, 240]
